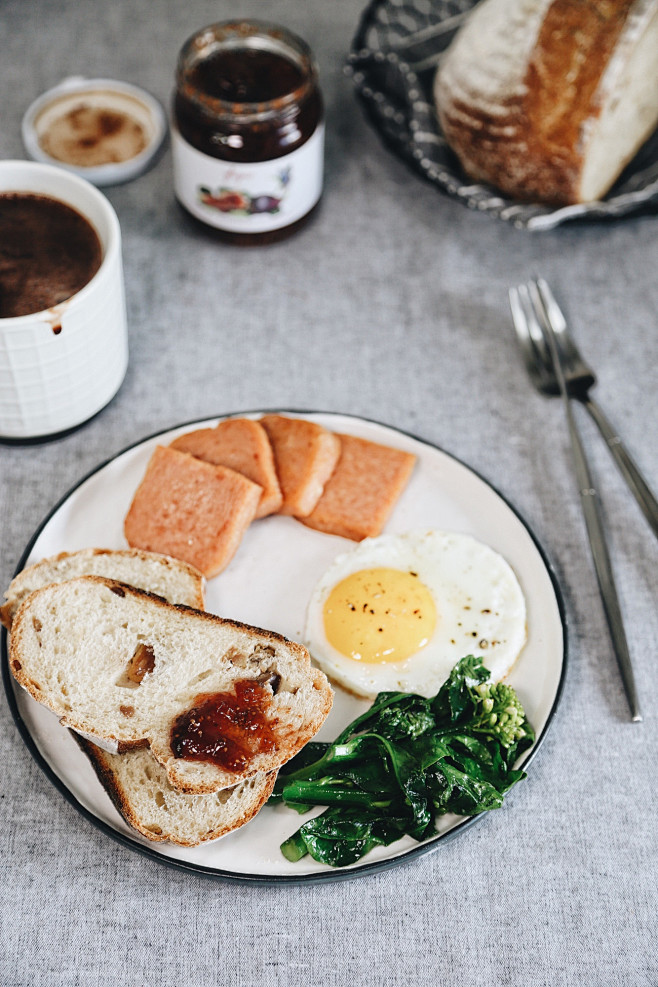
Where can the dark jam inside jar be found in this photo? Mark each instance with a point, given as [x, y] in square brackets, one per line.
[246, 75]
[225, 728]
[246, 93]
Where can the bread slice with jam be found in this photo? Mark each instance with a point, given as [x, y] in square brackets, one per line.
[216, 701]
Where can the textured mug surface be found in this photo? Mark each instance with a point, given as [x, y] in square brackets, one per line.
[59, 367]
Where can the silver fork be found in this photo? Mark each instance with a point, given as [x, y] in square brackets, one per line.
[532, 320]
[580, 378]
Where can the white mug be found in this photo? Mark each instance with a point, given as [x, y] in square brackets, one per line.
[59, 367]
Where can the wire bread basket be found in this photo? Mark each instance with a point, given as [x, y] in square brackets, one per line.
[395, 52]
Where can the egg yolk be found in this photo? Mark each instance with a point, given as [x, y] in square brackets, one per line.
[379, 615]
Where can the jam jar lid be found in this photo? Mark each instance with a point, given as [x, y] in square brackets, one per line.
[104, 130]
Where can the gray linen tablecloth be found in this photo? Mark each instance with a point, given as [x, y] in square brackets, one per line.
[392, 305]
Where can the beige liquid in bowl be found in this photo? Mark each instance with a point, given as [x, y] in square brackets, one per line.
[89, 136]
[93, 128]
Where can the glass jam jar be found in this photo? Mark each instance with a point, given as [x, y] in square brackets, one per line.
[247, 131]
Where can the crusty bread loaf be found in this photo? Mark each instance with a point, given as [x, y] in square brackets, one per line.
[121, 666]
[142, 793]
[176, 581]
[548, 100]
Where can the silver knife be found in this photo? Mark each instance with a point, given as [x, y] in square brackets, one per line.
[593, 519]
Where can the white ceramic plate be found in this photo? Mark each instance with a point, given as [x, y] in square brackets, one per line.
[268, 584]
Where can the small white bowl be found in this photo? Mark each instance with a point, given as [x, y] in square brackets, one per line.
[105, 94]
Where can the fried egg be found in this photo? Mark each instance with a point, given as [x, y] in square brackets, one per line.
[399, 611]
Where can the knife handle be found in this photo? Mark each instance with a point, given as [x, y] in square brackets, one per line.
[601, 557]
[629, 469]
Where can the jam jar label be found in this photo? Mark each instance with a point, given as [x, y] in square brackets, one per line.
[246, 197]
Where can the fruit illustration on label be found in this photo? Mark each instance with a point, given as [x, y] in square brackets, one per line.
[225, 200]
[240, 202]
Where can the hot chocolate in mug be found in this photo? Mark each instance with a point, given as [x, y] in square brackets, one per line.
[62, 363]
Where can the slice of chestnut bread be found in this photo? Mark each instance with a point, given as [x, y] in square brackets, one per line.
[215, 700]
[176, 581]
[142, 793]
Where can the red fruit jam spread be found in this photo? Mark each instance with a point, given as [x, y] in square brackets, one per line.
[227, 729]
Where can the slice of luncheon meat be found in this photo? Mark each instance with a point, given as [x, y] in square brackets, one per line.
[242, 445]
[361, 493]
[305, 455]
[191, 510]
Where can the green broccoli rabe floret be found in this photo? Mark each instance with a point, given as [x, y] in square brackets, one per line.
[501, 714]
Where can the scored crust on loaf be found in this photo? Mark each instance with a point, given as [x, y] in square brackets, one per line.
[176, 581]
[548, 100]
[191, 509]
[242, 445]
[140, 790]
[73, 645]
[363, 489]
[305, 455]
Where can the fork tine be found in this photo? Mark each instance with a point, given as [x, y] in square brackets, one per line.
[522, 318]
[575, 367]
[536, 317]
[518, 316]
[529, 296]
[520, 323]
[542, 321]
[553, 311]
[552, 322]
[515, 305]
[554, 352]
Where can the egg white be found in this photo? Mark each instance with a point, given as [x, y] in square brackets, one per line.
[480, 610]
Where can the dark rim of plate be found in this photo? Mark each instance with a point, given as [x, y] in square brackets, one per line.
[315, 878]
[392, 63]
